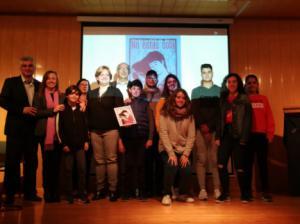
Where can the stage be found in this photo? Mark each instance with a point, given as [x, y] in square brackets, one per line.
[284, 210]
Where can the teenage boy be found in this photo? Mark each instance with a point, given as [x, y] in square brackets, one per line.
[205, 105]
[136, 139]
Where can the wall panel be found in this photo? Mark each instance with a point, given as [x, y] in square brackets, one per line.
[53, 41]
[270, 49]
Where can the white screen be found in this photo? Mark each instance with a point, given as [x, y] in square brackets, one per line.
[181, 52]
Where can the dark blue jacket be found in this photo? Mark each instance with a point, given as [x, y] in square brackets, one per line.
[144, 118]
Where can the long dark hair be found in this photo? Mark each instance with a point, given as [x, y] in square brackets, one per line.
[170, 106]
[166, 92]
[82, 80]
[42, 87]
[224, 89]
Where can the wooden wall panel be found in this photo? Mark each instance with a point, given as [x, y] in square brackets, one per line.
[270, 49]
[53, 41]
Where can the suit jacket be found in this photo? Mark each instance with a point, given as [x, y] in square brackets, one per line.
[43, 113]
[13, 98]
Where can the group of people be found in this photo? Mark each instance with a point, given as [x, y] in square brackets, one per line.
[172, 133]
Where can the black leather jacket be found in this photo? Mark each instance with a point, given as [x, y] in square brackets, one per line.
[241, 118]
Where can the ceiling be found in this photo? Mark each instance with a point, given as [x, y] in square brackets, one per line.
[284, 9]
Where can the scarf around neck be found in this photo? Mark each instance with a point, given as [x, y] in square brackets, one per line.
[179, 113]
[50, 127]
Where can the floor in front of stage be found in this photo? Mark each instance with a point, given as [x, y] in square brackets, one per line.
[284, 209]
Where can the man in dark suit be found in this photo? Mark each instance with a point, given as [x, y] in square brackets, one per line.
[16, 98]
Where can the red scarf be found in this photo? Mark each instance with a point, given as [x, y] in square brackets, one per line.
[50, 127]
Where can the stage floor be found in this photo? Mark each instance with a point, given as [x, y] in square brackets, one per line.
[284, 210]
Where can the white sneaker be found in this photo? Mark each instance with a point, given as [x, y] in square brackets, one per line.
[217, 193]
[203, 195]
[166, 200]
[189, 200]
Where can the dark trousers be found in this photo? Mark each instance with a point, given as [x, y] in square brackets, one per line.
[68, 162]
[258, 146]
[51, 170]
[231, 147]
[134, 165]
[121, 174]
[20, 148]
[154, 169]
[170, 172]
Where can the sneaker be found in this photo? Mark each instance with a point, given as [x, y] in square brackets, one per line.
[185, 198]
[217, 193]
[266, 197]
[189, 200]
[166, 200]
[223, 198]
[203, 195]
[245, 199]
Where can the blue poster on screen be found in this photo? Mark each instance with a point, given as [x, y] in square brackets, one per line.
[159, 53]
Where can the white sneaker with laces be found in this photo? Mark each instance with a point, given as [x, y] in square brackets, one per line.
[203, 195]
[189, 200]
[166, 200]
[217, 193]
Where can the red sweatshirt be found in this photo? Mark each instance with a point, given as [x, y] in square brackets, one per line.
[262, 116]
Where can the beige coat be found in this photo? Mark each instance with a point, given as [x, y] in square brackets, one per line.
[176, 136]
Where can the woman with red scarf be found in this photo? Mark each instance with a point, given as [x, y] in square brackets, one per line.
[49, 101]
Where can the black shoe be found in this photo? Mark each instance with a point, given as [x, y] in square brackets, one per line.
[125, 197]
[245, 199]
[113, 196]
[266, 197]
[49, 200]
[142, 196]
[70, 199]
[83, 199]
[33, 198]
[99, 195]
[9, 200]
[56, 198]
[10, 207]
[222, 198]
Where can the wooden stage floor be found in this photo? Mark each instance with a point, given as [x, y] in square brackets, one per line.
[284, 210]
